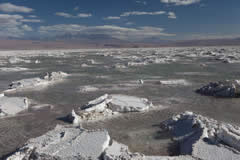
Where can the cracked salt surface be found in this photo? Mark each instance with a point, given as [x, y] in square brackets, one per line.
[159, 64]
[199, 137]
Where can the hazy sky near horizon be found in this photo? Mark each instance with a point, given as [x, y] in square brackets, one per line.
[133, 20]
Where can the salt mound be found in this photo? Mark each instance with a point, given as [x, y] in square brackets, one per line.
[204, 138]
[65, 143]
[221, 89]
[33, 82]
[12, 105]
[109, 105]
[118, 103]
[123, 103]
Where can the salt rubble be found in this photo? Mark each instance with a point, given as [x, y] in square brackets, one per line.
[221, 89]
[12, 105]
[33, 82]
[65, 143]
[109, 105]
[204, 138]
[199, 137]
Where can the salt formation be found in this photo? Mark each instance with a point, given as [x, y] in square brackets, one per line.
[37, 61]
[88, 88]
[33, 82]
[73, 118]
[198, 137]
[118, 151]
[13, 69]
[108, 105]
[42, 106]
[119, 66]
[85, 65]
[140, 81]
[123, 103]
[65, 143]
[12, 105]
[221, 89]
[175, 82]
[14, 60]
[204, 138]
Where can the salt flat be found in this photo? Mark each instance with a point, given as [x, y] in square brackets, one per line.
[131, 78]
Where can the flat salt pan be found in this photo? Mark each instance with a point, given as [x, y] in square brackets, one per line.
[68, 143]
[124, 103]
[12, 105]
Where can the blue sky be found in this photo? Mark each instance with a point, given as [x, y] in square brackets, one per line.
[123, 19]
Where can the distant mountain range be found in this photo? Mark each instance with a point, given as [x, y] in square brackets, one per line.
[68, 41]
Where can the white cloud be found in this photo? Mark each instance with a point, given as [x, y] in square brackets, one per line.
[172, 15]
[67, 15]
[63, 14]
[204, 36]
[130, 23]
[112, 18]
[32, 16]
[8, 7]
[32, 20]
[137, 13]
[142, 2]
[12, 26]
[10, 20]
[26, 27]
[180, 2]
[123, 33]
[84, 15]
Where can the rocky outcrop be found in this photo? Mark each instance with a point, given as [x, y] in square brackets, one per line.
[221, 89]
